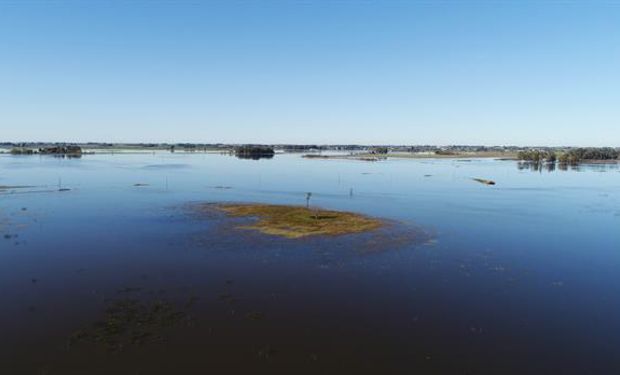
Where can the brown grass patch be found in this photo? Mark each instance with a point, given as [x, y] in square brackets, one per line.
[299, 221]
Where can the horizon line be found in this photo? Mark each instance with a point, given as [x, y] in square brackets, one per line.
[307, 144]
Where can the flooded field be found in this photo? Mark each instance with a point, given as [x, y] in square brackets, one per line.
[106, 269]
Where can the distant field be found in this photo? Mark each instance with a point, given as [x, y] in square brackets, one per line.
[417, 155]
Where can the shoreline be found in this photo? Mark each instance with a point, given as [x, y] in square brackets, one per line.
[403, 155]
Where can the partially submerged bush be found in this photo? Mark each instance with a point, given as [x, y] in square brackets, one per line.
[537, 156]
[254, 152]
[62, 150]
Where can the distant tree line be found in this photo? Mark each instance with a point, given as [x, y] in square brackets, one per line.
[300, 148]
[52, 150]
[572, 156]
[579, 154]
[379, 150]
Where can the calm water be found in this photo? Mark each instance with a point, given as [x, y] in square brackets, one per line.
[519, 278]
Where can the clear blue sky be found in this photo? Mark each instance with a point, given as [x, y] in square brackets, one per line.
[402, 72]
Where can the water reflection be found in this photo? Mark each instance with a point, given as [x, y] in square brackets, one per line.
[254, 156]
[536, 167]
[551, 167]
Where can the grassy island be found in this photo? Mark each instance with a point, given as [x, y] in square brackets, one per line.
[299, 221]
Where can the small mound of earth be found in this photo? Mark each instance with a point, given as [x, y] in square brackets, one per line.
[297, 221]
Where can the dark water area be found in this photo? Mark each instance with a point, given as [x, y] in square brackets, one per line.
[516, 278]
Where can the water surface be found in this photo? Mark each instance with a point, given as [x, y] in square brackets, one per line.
[520, 277]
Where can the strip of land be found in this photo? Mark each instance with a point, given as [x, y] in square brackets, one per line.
[417, 155]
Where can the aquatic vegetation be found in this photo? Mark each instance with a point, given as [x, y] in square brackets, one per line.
[191, 301]
[255, 315]
[129, 289]
[298, 221]
[130, 322]
[340, 230]
[266, 352]
[228, 298]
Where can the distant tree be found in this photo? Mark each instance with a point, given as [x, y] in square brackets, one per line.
[254, 152]
[537, 156]
[577, 155]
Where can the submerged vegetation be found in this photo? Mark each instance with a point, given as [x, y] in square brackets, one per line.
[130, 322]
[299, 221]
